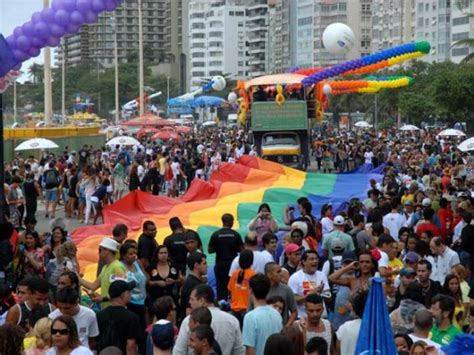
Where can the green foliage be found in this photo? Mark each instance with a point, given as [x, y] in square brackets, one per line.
[386, 124]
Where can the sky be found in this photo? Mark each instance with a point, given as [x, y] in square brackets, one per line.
[15, 13]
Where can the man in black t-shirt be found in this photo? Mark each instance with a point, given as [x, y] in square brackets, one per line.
[118, 326]
[147, 244]
[175, 244]
[226, 243]
[197, 263]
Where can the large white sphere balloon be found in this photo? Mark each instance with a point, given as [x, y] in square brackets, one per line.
[232, 98]
[338, 38]
[218, 83]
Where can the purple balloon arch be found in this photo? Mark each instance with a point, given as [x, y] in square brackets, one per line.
[46, 28]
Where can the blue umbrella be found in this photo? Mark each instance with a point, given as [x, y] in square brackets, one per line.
[375, 335]
[207, 101]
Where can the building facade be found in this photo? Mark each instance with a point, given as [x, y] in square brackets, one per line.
[462, 27]
[216, 35]
[257, 22]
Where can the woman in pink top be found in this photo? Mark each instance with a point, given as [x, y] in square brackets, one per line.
[263, 222]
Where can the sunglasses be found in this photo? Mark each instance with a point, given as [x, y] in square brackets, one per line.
[59, 331]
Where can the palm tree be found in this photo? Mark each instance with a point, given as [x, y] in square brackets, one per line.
[36, 71]
[467, 42]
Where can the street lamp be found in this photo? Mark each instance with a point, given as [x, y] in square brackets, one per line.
[48, 91]
[140, 59]
[167, 88]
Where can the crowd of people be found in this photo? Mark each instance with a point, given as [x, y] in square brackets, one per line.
[296, 286]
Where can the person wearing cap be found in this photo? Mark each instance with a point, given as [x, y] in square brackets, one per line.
[393, 221]
[337, 233]
[407, 275]
[417, 216]
[293, 254]
[226, 243]
[113, 269]
[408, 210]
[117, 325]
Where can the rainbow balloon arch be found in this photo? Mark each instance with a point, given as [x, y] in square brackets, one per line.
[319, 78]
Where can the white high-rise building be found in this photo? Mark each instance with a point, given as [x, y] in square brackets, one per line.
[433, 24]
[257, 21]
[217, 35]
[393, 23]
[462, 27]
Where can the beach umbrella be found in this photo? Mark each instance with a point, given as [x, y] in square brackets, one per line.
[409, 127]
[451, 132]
[122, 140]
[375, 335]
[146, 130]
[207, 101]
[467, 145]
[183, 129]
[362, 124]
[209, 124]
[167, 135]
[36, 143]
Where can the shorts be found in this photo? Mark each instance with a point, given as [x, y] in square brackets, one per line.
[120, 185]
[51, 195]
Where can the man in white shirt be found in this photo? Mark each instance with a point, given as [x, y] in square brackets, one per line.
[444, 258]
[308, 280]
[226, 327]
[68, 304]
[269, 241]
[348, 332]
[423, 325]
[384, 246]
[393, 221]
[259, 261]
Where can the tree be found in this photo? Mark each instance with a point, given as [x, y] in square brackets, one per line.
[35, 71]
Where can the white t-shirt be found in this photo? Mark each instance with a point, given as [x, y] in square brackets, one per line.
[443, 263]
[258, 265]
[393, 222]
[347, 334]
[268, 257]
[301, 283]
[80, 350]
[175, 169]
[368, 157]
[327, 225]
[86, 322]
[383, 261]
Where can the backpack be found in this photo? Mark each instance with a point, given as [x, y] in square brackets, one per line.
[334, 265]
[357, 251]
[51, 179]
[109, 337]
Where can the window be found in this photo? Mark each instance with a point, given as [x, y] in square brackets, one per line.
[460, 51]
[240, 24]
[231, 13]
[198, 35]
[343, 6]
[198, 55]
[240, 63]
[460, 36]
[461, 21]
[305, 21]
[198, 65]
[198, 73]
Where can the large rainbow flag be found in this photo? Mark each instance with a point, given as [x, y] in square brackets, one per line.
[238, 189]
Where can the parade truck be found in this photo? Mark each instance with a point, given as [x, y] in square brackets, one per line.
[282, 132]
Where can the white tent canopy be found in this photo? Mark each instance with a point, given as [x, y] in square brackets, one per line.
[36, 143]
[451, 132]
[467, 145]
[409, 127]
[362, 124]
[122, 140]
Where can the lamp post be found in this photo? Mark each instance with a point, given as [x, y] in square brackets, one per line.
[117, 114]
[140, 59]
[63, 82]
[48, 91]
[167, 88]
[14, 102]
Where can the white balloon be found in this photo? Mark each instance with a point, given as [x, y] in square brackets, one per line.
[338, 38]
[232, 98]
[218, 83]
[327, 90]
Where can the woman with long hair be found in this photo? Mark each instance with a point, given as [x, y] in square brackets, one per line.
[133, 179]
[452, 287]
[65, 338]
[263, 222]
[238, 285]
[30, 257]
[296, 335]
[163, 276]
[11, 339]
[42, 334]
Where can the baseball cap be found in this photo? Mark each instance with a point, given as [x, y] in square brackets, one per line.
[462, 194]
[339, 221]
[412, 257]
[110, 244]
[426, 202]
[162, 334]
[407, 271]
[302, 226]
[118, 287]
[408, 203]
[292, 247]
[349, 256]
[337, 245]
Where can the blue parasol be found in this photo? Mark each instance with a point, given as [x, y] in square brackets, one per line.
[375, 335]
[207, 101]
